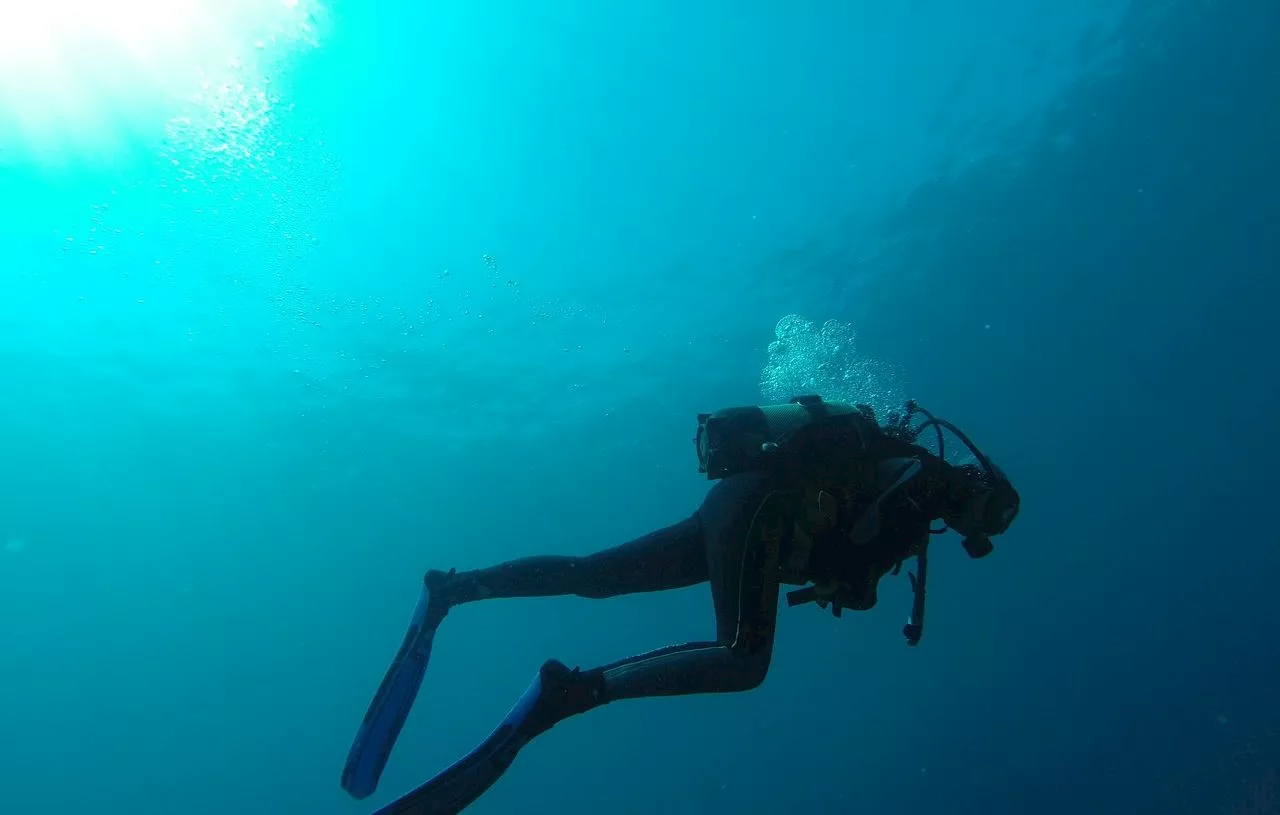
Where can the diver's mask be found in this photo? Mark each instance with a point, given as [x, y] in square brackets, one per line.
[998, 501]
[997, 508]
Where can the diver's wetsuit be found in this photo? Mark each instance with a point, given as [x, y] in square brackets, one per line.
[713, 545]
[710, 545]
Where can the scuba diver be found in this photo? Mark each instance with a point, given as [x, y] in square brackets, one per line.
[809, 493]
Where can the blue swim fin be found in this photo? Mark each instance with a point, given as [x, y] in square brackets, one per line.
[390, 706]
[453, 790]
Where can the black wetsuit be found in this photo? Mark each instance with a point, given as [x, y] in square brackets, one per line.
[710, 546]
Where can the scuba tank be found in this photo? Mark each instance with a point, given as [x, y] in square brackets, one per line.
[740, 439]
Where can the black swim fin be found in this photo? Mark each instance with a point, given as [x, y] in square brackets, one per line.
[555, 693]
[390, 706]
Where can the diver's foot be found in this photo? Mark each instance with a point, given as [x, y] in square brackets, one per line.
[452, 588]
[565, 692]
[443, 593]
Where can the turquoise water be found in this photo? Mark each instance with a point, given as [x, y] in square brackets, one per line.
[300, 299]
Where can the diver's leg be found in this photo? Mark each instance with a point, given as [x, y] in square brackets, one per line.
[668, 558]
[746, 606]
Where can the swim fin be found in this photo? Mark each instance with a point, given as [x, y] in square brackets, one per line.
[555, 694]
[390, 706]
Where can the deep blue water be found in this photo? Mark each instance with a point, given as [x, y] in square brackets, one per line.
[426, 285]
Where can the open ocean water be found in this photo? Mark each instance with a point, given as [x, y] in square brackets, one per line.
[300, 298]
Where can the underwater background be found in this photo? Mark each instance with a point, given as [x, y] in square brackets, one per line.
[299, 299]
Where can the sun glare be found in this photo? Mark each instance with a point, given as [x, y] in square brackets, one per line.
[82, 74]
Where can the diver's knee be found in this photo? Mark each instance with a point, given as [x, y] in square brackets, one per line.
[751, 669]
[585, 577]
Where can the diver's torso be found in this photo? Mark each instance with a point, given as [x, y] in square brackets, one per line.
[828, 537]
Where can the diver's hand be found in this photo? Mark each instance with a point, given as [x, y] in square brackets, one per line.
[824, 591]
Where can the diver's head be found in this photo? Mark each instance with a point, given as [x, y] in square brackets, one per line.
[988, 511]
[1001, 505]
[993, 506]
